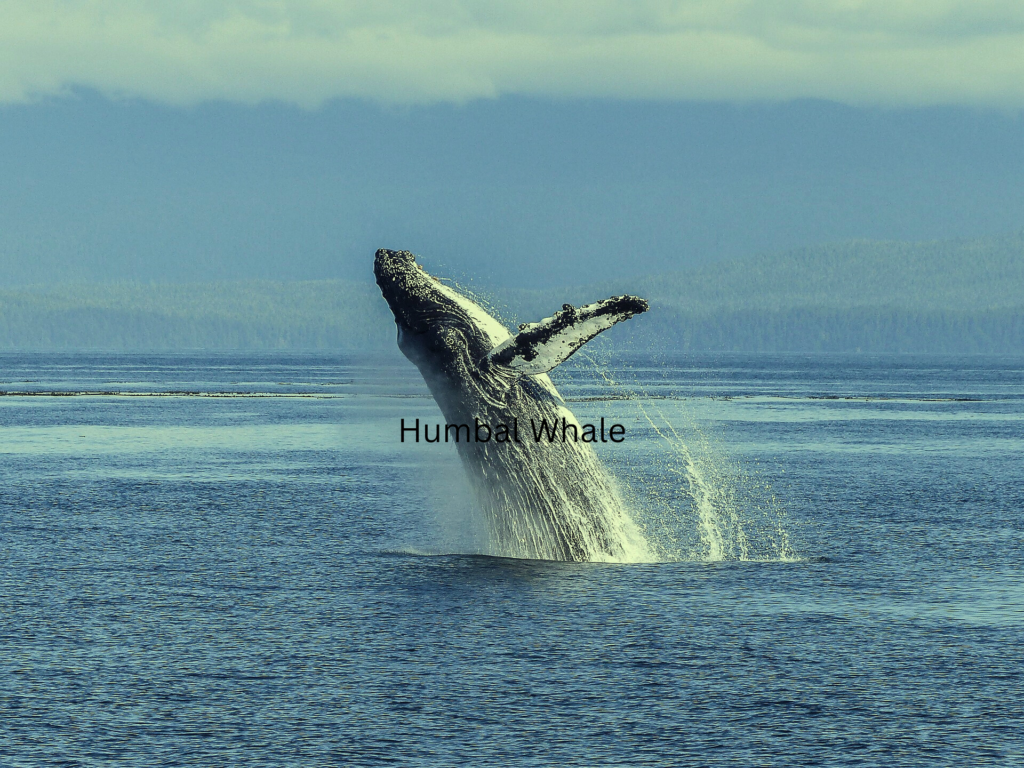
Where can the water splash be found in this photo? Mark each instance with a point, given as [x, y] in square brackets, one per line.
[681, 501]
[690, 499]
[539, 516]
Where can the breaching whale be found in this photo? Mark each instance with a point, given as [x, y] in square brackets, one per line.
[544, 499]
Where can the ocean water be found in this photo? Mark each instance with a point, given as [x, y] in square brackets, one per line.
[230, 559]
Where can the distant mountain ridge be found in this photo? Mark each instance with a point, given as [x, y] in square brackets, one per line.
[319, 314]
[869, 296]
[942, 275]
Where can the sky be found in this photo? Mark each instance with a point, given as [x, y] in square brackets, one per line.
[524, 142]
[896, 52]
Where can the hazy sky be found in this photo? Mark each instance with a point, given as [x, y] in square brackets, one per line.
[898, 52]
[524, 142]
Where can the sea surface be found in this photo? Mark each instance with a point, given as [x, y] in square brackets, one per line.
[231, 559]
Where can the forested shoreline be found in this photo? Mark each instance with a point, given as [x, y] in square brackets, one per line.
[885, 297]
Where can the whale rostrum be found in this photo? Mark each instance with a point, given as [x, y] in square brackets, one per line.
[545, 499]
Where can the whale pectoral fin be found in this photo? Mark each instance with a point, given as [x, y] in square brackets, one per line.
[539, 347]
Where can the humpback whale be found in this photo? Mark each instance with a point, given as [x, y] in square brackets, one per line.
[545, 499]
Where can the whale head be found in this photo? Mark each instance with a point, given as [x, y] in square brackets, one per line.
[436, 324]
[450, 336]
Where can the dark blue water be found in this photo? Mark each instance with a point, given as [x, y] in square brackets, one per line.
[268, 577]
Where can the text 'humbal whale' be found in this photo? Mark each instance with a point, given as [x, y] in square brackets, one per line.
[546, 499]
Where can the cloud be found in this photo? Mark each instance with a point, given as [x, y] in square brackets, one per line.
[899, 52]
